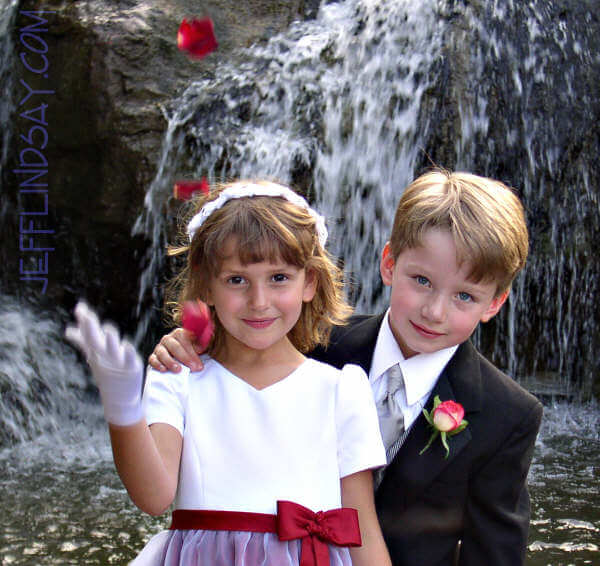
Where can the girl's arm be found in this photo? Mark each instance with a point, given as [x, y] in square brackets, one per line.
[357, 493]
[147, 460]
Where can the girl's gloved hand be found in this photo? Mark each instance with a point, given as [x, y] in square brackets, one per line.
[115, 364]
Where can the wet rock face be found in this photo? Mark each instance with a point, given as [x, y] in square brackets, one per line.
[112, 65]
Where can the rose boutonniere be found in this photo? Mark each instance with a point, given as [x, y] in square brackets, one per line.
[446, 419]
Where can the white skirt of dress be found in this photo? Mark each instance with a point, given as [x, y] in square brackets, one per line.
[227, 548]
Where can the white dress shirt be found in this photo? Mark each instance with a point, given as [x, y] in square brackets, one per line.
[420, 372]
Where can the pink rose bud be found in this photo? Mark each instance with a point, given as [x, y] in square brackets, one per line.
[448, 415]
[197, 37]
[196, 318]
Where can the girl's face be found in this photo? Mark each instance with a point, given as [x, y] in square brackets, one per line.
[258, 303]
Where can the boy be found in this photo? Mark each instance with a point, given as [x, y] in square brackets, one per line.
[458, 241]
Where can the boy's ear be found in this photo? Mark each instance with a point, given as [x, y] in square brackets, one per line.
[495, 306]
[386, 265]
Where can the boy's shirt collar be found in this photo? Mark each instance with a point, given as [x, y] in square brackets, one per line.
[420, 372]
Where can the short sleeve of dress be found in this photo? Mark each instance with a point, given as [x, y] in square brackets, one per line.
[165, 397]
[359, 441]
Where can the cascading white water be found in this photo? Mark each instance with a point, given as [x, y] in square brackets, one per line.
[342, 106]
[374, 130]
[42, 384]
[527, 59]
[342, 94]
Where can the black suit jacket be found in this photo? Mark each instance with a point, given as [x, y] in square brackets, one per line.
[478, 495]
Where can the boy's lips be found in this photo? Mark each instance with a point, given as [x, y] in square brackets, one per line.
[423, 331]
[258, 322]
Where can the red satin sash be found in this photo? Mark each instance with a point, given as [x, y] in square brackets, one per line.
[293, 521]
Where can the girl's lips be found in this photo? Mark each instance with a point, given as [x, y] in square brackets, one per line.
[259, 323]
[425, 332]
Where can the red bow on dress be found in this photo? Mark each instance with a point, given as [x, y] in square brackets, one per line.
[337, 526]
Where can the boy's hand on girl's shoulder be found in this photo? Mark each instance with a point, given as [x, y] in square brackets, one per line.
[175, 348]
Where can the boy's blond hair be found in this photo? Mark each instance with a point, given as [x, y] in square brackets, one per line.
[263, 229]
[484, 216]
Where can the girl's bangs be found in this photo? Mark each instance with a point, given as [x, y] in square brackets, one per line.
[271, 248]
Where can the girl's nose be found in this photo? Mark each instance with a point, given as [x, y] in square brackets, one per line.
[258, 297]
[435, 308]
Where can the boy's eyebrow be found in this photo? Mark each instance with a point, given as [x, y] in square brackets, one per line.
[475, 287]
[471, 288]
[417, 265]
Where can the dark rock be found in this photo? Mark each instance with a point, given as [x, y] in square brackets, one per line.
[113, 66]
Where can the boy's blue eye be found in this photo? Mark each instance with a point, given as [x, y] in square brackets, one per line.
[235, 280]
[464, 296]
[422, 280]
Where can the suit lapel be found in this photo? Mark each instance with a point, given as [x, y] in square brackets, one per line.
[460, 381]
[355, 343]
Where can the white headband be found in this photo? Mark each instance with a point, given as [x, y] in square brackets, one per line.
[253, 190]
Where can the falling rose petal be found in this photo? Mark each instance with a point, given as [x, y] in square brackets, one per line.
[185, 190]
[197, 319]
[197, 37]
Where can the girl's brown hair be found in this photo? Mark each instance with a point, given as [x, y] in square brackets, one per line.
[263, 228]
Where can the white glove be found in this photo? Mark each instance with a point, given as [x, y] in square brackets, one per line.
[115, 364]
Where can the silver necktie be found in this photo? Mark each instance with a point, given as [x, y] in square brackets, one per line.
[391, 419]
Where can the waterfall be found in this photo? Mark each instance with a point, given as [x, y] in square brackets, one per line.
[527, 116]
[347, 108]
[337, 100]
[43, 387]
[374, 130]
[152, 223]
[351, 106]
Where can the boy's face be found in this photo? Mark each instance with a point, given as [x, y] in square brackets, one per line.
[433, 305]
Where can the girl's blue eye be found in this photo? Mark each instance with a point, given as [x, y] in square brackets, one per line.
[464, 296]
[422, 280]
[235, 280]
[279, 277]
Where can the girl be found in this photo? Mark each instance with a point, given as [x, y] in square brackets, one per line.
[262, 447]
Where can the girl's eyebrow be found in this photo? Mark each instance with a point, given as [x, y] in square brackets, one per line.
[272, 269]
[224, 272]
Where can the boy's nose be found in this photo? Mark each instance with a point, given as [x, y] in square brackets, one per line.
[435, 308]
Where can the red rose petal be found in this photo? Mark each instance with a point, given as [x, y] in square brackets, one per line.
[197, 37]
[185, 190]
[197, 319]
